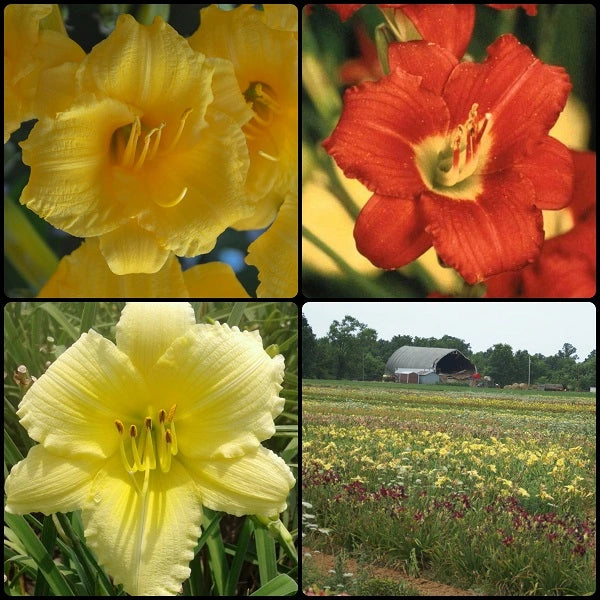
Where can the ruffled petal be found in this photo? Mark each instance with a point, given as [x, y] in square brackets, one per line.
[229, 395]
[501, 231]
[431, 62]
[523, 95]
[71, 408]
[44, 482]
[146, 329]
[390, 232]
[275, 254]
[70, 179]
[85, 274]
[380, 124]
[448, 25]
[550, 169]
[254, 484]
[213, 280]
[131, 249]
[145, 542]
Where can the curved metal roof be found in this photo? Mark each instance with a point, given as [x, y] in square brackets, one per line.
[420, 358]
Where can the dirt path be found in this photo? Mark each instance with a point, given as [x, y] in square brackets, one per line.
[325, 562]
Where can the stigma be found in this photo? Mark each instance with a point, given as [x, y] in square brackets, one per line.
[262, 100]
[150, 450]
[465, 150]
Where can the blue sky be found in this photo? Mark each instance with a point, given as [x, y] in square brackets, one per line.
[534, 326]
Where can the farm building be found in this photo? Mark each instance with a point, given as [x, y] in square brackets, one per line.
[411, 364]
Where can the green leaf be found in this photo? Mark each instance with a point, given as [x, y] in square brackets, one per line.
[35, 549]
[238, 559]
[265, 551]
[237, 312]
[282, 585]
[88, 317]
[216, 553]
[61, 319]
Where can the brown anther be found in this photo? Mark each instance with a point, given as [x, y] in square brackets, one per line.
[168, 436]
[172, 412]
[133, 431]
[119, 426]
[148, 423]
[162, 415]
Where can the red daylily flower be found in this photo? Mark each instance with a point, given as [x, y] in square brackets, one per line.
[566, 267]
[458, 156]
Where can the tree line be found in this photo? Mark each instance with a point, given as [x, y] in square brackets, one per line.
[351, 350]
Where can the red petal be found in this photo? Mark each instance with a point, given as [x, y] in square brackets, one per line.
[584, 185]
[499, 232]
[390, 232]
[379, 124]
[449, 25]
[550, 169]
[345, 10]
[524, 96]
[530, 9]
[433, 63]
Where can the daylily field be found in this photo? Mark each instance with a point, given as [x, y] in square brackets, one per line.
[487, 490]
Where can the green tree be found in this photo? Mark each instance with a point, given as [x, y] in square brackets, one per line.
[345, 337]
[309, 349]
[501, 364]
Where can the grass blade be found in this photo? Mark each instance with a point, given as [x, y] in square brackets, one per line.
[282, 585]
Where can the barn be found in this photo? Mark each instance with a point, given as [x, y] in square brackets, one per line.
[412, 364]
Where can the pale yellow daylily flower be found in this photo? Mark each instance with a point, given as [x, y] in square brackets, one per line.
[264, 53]
[85, 274]
[105, 415]
[141, 157]
[275, 253]
[34, 40]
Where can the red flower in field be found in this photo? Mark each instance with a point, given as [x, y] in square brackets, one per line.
[418, 516]
[458, 156]
[566, 268]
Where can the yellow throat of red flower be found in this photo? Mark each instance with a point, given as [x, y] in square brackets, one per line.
[449, 164]
[158, 443]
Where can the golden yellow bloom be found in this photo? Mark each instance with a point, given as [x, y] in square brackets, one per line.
[85, 274]
[34, 40]
[141, 158]
[264, 53]
[275, 253]
[140, 435]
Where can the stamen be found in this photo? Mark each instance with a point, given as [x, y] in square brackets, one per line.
[156, 141]
[124, 459]
[184, 116]
[147, 139]
[165, 463]
[174, 448]
[172, 413]
[134, 450]
[267, 156]
[149, 458]
[134, 134]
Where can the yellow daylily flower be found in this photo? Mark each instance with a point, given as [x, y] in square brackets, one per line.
[85, 274]
[264, 53]
[141, 157]
[105, 415]
[34, 40]
[275, 253]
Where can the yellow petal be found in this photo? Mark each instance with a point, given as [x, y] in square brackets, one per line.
[151, 67]
[146, 329]
[131, 249]
[229, 395]
[44, 482]
[85, 274]
[281, 16]
[275, 254]
[69, 184]
[254, 484]
[213, 280]
[213, 170]
[71, 408]
[145, 542]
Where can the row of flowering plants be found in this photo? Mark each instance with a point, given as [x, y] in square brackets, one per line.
[464, 129]
[163, 164]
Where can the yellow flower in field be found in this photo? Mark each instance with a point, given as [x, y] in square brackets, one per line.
[141, 158]
[85, 274]
[492, 468]
[35, 40]
[264, 53]
[523, 492]
[441, 480]
[275, 253]
[104, 416]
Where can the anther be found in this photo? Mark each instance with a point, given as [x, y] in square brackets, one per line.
[162, 415]
[119, 426]
[134, 134]
[172, 413]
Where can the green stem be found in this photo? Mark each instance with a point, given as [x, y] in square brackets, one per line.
[367, 286]
[335, 186]
[146, 13]
[25, 248]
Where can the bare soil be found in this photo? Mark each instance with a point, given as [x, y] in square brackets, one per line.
[325, 562]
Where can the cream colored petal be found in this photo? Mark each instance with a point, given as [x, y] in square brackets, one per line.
[151, 67]
[275, 254]
[85, 274]
[71, 409]
[213, 171]
[131, 249]
[44, 482]
[213, 280]
[145, 543]
[257, 483]
[146, 329]
[70, 178]
[226, 388]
